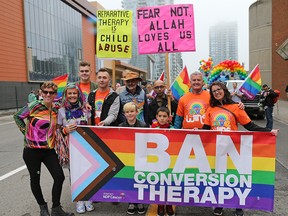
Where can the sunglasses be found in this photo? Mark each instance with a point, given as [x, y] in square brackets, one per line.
[48, 92]
[86, 71]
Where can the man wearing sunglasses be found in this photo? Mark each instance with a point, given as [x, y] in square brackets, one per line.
[85, 83]
[161, 100]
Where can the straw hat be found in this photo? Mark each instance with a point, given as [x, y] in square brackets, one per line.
[131, 75]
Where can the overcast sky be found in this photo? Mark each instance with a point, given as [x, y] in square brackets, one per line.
[206, 14]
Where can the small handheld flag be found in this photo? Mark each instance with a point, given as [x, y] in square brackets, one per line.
[252, 84]
[161, 76]
[180, 86]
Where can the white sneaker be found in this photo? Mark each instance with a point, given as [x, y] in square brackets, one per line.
[80, 207]
[89, 206]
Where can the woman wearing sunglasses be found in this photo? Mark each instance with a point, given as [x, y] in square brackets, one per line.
[71, 114]
[221, 104]
[39, 142]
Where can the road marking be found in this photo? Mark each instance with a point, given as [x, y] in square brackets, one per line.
[7, 123]
[152, 210]
[12, 172]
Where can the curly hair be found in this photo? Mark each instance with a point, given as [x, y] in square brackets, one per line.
[49, 84]
[227, 97]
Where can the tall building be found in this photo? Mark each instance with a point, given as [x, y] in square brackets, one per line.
[223, 42]
[154, 63]
[268, 42]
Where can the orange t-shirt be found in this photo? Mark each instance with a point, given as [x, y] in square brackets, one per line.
[192, 107]
[99, 99]
[220, 119]
[85, 88]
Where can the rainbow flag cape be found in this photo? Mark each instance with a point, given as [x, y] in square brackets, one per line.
[252, 84]
[180, 86]
[61, 82]
[162, 76]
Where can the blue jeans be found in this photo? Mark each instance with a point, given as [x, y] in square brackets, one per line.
[269, 117]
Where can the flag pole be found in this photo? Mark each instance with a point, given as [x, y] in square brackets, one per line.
[114, 74]
[168, 79]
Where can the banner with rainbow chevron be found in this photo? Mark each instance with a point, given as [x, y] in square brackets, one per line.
[179, 167]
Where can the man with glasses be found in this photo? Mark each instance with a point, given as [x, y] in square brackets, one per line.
[161, 100]
[85, 83]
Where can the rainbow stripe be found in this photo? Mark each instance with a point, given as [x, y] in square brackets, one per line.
[180, 86]
[61, 82]
[121, 141]
[252, 84]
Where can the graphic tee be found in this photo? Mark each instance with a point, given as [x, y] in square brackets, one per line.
[99, 99]
[85, 88]
[220, 119]
[192, 107]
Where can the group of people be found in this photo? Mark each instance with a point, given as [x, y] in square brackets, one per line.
[87, 103]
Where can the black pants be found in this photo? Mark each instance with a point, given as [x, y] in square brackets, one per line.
[33, 159]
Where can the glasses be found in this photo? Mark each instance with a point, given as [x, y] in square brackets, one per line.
[86, 71]
[159, 87]
[48, 92]
[216, 90]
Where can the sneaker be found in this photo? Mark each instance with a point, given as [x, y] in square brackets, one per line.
[218, 211]
[239, 212]
[131, 209]
[89, 206]
[140, 208]
[161, 211]
[80, 207]
[169, 210]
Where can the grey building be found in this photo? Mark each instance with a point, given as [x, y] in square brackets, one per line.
[223, 42]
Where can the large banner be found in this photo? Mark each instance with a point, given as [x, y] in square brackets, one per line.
[164, 29]
[114, 34]
[179, 167]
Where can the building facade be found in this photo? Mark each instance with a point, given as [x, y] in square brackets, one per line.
[268, 35]
[223, 42]
[41, 40]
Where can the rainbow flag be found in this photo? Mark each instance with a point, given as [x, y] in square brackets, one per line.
[181, 84]
[136, 165]
[61, 82]
[252, 84]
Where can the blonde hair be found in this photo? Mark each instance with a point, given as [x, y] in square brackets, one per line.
[130, 106]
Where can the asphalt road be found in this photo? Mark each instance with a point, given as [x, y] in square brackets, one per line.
[17, 200]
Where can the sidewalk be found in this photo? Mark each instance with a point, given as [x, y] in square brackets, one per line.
[281, 111]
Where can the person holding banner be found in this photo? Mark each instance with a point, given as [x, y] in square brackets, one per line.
[71, 114]
[40, 138]
[193, 105]
[130, 110]
[162, 116]
[221, 104]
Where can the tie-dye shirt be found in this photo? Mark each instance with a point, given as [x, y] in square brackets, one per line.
[40, 130]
